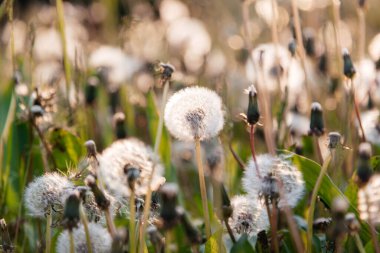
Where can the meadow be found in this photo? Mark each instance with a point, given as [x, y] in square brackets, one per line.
[189, 126]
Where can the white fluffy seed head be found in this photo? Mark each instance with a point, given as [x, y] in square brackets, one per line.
[280, 168]
[131, 152]
[248, 216]
[101, 240]
[194, 112]
[369, 200]
[371, 126]
[44, 192]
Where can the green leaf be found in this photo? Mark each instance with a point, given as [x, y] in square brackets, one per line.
[215, 243]
[242, 245]
[328, 190]
[67, 148]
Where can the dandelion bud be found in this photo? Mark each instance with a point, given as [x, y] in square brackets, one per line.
[166, 70]
[168, 193]
[316, 120]
[71, 214]
[156, 238]
[348, 67]
[292, 46]
[119, 125]
[36, 111]
[192, 233]
[91, 148]
[91, 90]
[253, 113]
[361, 3]
[132, 174]
[322, 224]
[334, 140]
[339, 207]
[364, 171]
[352, 222]
[100, 198]
[309, 42]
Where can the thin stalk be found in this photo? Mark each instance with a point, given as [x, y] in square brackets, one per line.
[49, 221]
[110, 225]
[229, 230]
[314, 195]
[338, 42]
[362, 33]
[357, 112]
[45, 145]
[317, 149]
[72, 247]
[273, 226]
[291, 223]
[252, 144]
[300, 47]
[359, 243]
[12, 37]
[84, 220]
[148, 197]
[61, 26]
[167, 241]
[202, 185]
[236, 156]
[132, 219]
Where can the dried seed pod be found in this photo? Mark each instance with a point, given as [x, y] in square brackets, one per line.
[316, 120]
[253, 113]
[348, 67]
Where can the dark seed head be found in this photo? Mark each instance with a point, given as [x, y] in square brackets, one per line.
[316, 120]
[348, 67]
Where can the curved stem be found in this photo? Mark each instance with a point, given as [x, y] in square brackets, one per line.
[49, 221]
[110, 224]
[148, 197]
[229, 230]
[314, 195]
[84, 220]
[132, 219]
[252, 143]
[202, 185]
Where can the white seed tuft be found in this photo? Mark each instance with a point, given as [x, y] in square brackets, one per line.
[249, 215]
[46, 191]
[131, 152]
[101, 240]
[369, 200]
[280, 168]
[194, 112]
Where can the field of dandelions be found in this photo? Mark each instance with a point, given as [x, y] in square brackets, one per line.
[189, 126]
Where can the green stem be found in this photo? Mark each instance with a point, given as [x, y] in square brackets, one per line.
[314, 195]
[132, 219]
[202, 185]
[148, 197]
[84, 220]
[49, 221]
[110, 224]
[359, 243]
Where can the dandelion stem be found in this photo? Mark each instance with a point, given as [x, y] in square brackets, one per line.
[49, 221]
[362, 33]
[132, 219]
[229, 230]
[84, 220]
[313, 200]
[148, 197]
[291, 223]
[273, 226]
[252, 144]
[167, 241]
[317, 149]
[72, 247]
[110, 224]
[236, 156]
[357, 113]
[202, 185]
[359, 243]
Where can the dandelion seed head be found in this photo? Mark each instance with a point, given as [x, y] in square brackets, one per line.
[194, 112]
[101, 240]
[274, 166]
[369, 200]
[46, 191]
[130, 152]
[371, 126]
[249, 215]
